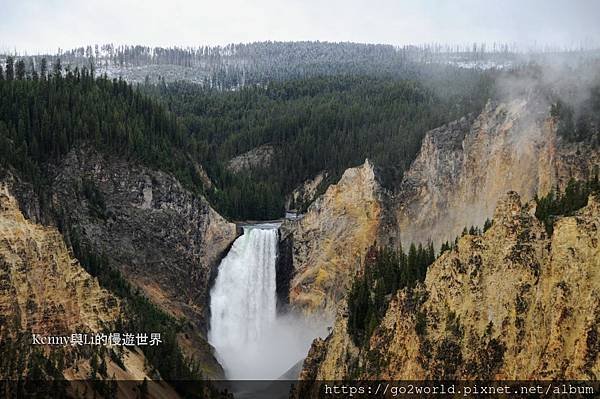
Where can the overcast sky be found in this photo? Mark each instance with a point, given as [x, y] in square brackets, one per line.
[45, 25]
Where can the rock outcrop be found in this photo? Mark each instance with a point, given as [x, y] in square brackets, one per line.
[255, 158]
[306, 193]
[510, 304]
[331, 239]
[465, 166]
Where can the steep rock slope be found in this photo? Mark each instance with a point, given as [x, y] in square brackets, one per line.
[331, 239]
[511, 304]
[465, 166]
[43, 288]
[163, 238]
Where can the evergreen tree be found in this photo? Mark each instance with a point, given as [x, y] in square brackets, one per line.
[57, 68]
[20, 69]
[34, 73]
[487, 225]
[385, 271]
[43, 68]
[10, 71]
[573, 198]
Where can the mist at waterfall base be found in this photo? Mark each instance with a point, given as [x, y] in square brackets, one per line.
[251, 340]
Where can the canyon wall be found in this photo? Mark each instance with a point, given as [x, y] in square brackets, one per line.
[510, 304]
[163, 238]
[43, 288]
[331, 239]
[455, 181]
[465, 166]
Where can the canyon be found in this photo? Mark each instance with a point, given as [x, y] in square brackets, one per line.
[461, 171]
[170, 244]
[491, 292]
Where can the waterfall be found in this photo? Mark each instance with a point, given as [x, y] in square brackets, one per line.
[243, 299]
[251, 341]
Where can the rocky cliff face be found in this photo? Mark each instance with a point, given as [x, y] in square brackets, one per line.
[455, 181]
[164, 239]
[42, 287]
[511, 304]
[45, 290]
[331, 239]
[465, 166]
[306, 193]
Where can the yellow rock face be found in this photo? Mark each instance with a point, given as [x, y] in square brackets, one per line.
[511, 304]
[461, 171]
[331, 240]
[465, 166]
[43, 289]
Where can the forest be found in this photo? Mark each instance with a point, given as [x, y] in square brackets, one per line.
[318, 123]
[314, 124]
[45, 114]
[386, 271]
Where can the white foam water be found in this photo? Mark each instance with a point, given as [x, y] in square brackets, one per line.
[251, 340]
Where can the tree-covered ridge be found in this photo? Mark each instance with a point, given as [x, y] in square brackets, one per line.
[241, 64]
[44, 114]
[289, 53]
[385, 271]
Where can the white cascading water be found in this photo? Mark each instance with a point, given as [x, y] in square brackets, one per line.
[251, 341]
[243, 305]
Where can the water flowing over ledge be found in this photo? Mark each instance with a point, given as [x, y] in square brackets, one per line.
[251, 340]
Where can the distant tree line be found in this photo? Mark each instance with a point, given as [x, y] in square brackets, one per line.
[237, 65]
